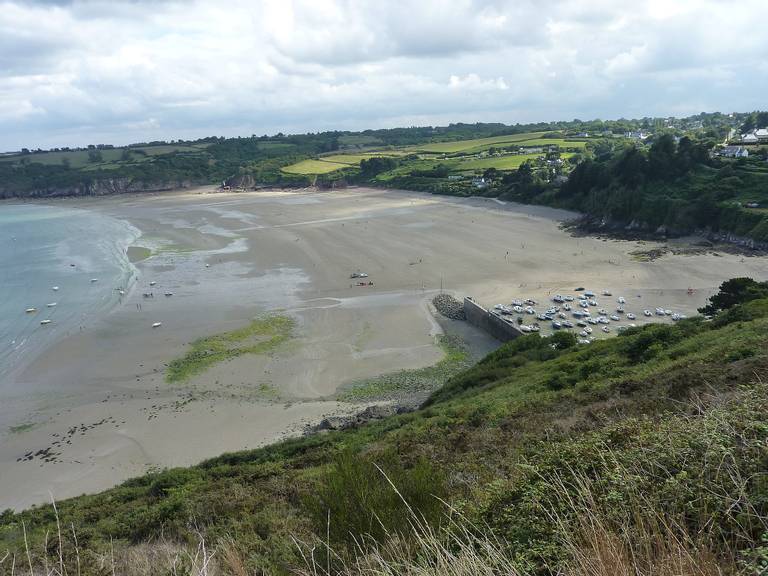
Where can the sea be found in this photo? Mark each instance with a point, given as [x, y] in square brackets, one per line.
[81, 252]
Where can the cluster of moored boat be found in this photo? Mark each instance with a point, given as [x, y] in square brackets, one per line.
[580, 308]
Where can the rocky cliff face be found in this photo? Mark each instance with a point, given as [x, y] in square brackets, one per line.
[100, 187]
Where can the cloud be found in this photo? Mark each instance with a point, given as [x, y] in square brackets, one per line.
[86, 71]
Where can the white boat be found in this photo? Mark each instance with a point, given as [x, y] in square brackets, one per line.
[588, 329]
[518, 309]
[517, 302]
[615, 318]
[567, 307]
[559, 299]
[55, 288]
[606, 329]
[44, 322]
[30, 310]
[556, 325]
[603, 320]
[525, 328]
[668, 312]
[589, 294]
[157, 325]
[660, 312]
[593, 321]
[530, 310]
[620, 310]
[602, 311]
[621, 300]
[169, 293]
[593, 302]
[568, 298]
[583, 334]
[647, 313]
[152, 283]
[535, 328]
[94, 280]
[606, 293]
[567, 324]
[51, 304]
[630, 316]
[121, 292]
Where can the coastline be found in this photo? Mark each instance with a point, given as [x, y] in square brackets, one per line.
[229, 257]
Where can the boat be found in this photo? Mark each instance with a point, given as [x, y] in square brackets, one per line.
[530, 310]
[620, 310]
[157, 325]
[621, 300]
[44, 322]
[568, 298]
[51, 304]
[630, 316]
[358, 275]
[583, 334]
[121, 292]
[567, 307]
[593, 321]
[660, 312]
[55, 288]
[668, 312]
[525, 328]
[556, 325]
[567, 324]
[647, 313]
[615, 318]
[169, 293]
[30, 310]
[579, 289]
[152, 283]
[589, 294]
[542, 317]
[581, 324]
[535, 328]
[518, 309]
[517, 302]
[559, 299]
[602, 311]
[607, 293]
[588, 329]
[94, 280]
[606, 329]
[593, 302]
[603, 320]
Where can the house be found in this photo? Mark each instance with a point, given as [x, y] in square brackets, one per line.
[762, 134]
[479, 183]
[734, 152]
[749, 138]
[636, 135]
[455, 177]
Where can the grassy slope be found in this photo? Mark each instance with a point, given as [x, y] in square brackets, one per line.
[629, 416]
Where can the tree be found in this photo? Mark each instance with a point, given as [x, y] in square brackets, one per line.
[94, 156]
[735, 291]
[762, 120]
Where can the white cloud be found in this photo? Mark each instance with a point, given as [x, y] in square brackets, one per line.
[96, 71]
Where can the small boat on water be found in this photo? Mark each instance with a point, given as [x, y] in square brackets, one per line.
[169, 293]
[567, 307]
[588, 330]
[30, 310]
[606, 293]
[647, 313]
[630, 316]
[94, 280]
[606, 329]
[621, 300]
[615, 318]
[51, 304]
[568, 298]
[567, 324]
[44, 322]
[157, 325]
[152, 283]
[55, 288]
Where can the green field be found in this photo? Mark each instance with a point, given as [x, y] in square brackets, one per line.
[358, 140]
[555, 142]
[501, 162]
[79, 158]
[355, 159]
[464, 145]
[314, 167]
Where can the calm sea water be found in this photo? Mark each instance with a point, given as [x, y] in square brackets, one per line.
[46, 246]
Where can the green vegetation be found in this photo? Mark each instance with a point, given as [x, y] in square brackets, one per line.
[405, 383]
[640, 454]
[314, 167]
[138, 253]
[259, 337]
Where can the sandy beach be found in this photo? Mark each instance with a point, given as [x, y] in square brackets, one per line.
[95, 409]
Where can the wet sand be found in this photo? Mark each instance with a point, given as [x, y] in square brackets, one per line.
[95, 410]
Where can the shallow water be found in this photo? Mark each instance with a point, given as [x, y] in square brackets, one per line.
[42, 247]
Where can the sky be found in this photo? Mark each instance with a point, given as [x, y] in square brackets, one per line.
[83, 72]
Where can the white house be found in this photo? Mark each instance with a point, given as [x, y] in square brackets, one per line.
[761, 133]
[749, 139]
[734, 152]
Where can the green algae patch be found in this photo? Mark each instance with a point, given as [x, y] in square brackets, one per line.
[261, 336]
[138, 253]
[406, 383]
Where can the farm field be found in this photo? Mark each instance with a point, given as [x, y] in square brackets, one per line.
[314, 167]
[79, 158]
[464, 145]
[501, 162]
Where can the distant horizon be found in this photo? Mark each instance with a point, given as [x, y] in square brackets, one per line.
[291, 134]
[79, 72]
